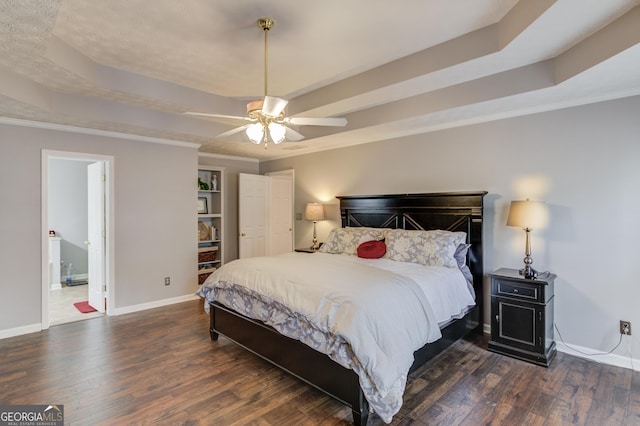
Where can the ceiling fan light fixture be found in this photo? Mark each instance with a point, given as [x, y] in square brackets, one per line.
[277, 132]
[255, 133]
[266, 118]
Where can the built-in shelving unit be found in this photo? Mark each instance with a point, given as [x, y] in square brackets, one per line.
[210, 220]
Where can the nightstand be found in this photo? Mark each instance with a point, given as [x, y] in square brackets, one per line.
[305, 250]
[522, 316]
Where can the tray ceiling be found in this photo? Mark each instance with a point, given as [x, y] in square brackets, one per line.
[134, 66]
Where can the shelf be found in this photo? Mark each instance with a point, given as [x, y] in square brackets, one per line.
[210, 250]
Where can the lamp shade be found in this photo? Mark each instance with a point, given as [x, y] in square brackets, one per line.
[277, 132]
[314, 211]
[528, 214]
[255, 132]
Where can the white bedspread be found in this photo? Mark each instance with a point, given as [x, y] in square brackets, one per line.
[379, 307]
[446, 289]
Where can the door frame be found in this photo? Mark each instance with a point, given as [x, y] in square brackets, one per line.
[109, 225]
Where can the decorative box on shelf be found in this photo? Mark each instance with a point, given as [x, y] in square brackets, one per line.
[204, 274]
[207, 254]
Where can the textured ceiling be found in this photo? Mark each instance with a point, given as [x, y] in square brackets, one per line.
[134, 66]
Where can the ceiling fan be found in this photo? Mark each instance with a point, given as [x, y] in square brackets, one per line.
[266, 119]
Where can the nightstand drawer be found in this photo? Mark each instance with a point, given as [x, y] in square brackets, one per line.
[511, 289]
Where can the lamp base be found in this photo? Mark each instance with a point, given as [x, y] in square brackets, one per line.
[529, 273]
[315, 245]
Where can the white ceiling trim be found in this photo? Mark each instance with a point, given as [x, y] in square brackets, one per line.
[228, 157]
[94, 132]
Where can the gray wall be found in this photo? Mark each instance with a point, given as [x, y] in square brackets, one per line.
[584, 162]
[68, 212]
[154, 219]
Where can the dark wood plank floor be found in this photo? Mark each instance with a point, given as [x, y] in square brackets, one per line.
[160, 367]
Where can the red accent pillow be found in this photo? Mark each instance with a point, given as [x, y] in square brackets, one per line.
[372, 249]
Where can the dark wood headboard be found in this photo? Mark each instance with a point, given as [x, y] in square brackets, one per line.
[450, 211]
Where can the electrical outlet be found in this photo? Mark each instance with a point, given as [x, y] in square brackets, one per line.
[167, 281]
[625, 327]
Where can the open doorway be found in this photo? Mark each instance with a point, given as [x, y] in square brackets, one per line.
[77, 224]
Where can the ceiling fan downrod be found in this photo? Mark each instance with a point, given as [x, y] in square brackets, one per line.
[266, 24]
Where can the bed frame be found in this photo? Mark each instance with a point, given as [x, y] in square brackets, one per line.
[449, 211]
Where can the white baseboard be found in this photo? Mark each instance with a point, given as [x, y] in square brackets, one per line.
[33, 328]
[610, 359]
[575, 350]
[154, 304]
[18, 331]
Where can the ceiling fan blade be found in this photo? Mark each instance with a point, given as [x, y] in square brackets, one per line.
[309, 121]
[273, 106]
[292, 136]
[227, 119]
[233, 131]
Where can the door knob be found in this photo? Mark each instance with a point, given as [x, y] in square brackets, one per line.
[87, 242]
[243, 235]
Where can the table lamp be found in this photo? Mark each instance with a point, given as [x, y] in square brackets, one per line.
[527, 215]
[314, 212]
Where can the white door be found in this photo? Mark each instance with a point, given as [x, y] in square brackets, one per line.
[281, 214]
[96, 235]
[252, 220]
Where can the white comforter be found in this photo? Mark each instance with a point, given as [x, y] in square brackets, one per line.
[380, 308]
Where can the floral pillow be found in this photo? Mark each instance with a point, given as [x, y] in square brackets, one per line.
[347, 240]
[432, 248]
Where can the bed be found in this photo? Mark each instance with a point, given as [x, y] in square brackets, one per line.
[452, 212]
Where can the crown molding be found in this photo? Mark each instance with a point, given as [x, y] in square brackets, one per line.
[95, 132]
[228, 157]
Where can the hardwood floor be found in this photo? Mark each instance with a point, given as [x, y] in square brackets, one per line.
[160, 367]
